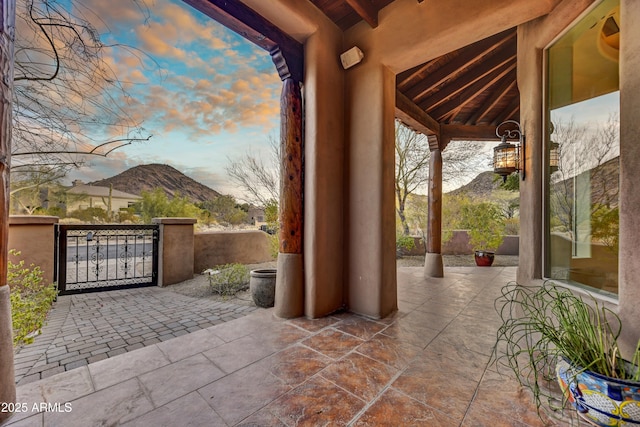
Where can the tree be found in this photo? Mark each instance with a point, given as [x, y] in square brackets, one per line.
[412, 165]
[258, 178]
[586, 176]
[67, 96]
[225, 210]
[156, 204]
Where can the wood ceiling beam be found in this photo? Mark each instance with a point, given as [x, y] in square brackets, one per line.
[414, 117]
[508, 83]
[365, 10]
[457, 86]
[468, 133]
[420, 83]
[471, 92]
[287, 53]
[510, 112]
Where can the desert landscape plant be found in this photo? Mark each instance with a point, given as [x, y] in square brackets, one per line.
[228, 279]
[30, 298]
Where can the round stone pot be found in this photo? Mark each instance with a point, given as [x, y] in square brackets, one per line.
[262, 285]
[601, 400]
[484, 258]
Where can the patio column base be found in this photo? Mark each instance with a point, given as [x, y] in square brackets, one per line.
[433, 266]
[289, 301]
[7, 385]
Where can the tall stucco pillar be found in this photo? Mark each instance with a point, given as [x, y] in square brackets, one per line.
[433, 266]
[531, 107]
[370, 229]
[324, 146]
[289, 299]
[7, 33]
[629, 270]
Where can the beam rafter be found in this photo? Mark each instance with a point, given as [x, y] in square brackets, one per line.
[468, 133]
[413, 116]
[508, 83]
[420, 83]
[467, 93]
[365, 10]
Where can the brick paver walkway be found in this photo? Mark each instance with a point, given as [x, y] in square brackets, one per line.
[86, 328]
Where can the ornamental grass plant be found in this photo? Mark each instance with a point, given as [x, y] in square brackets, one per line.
[542, 324]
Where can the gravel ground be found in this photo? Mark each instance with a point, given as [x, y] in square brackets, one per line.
[198, 287]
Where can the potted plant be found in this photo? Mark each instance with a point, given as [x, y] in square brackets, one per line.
[485, 223]
[551, 337]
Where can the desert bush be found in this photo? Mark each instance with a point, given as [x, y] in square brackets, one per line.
[30, 299]
[228, 279]
[404, 244]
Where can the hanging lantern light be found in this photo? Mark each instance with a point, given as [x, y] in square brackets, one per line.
[554, 156]
[506, 156]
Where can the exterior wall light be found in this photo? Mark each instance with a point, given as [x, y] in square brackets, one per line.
[554, 156]
[508, 157]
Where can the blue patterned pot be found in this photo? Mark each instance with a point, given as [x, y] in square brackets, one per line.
[602, 400]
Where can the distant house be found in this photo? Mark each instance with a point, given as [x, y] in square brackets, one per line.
[256, 215]
[98, 197]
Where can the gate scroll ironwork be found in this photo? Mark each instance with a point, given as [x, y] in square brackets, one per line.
[101, 257]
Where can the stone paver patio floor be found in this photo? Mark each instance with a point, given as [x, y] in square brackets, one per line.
[427, 365]
[86, 328]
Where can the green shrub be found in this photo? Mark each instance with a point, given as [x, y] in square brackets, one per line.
[228, 279]
[30, 299]
[404, 244]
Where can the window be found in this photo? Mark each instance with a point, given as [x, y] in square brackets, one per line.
[583, 151]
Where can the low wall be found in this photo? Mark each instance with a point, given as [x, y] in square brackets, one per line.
[225, 247]
[459, 245]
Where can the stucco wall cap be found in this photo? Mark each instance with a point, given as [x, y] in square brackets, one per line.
[32, 219]
[174, 221]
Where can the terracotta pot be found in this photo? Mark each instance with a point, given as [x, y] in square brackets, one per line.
[484, 258]
[262, 285]
[601, 400]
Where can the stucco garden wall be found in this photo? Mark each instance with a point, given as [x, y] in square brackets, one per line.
[459, 245]
[224, 247]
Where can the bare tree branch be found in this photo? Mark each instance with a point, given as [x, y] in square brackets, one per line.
[258, 178]
[67, 97]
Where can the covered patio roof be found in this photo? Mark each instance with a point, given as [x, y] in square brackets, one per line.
[464, 94]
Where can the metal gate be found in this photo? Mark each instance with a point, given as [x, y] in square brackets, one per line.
[93, 258]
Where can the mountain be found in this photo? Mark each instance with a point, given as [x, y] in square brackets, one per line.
[148, 177]
[481, 186]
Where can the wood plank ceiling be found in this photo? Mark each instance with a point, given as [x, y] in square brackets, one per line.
[461, 95]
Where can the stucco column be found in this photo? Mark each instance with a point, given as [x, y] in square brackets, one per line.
[34, 237]
[370, 228]
[324, 177]
[531, 118]
[289, 300]
[7, 33]
[433, 266]
[629, 270]
[175, 250]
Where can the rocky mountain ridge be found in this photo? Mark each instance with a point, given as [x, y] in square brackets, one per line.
[149, 177]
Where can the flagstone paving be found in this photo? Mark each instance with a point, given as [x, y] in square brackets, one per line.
[429, 364]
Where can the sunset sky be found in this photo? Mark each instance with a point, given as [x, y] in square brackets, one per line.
[210, 95]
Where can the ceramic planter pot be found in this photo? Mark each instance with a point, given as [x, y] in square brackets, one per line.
[601, 400]
[484, 258]
[262, 285]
